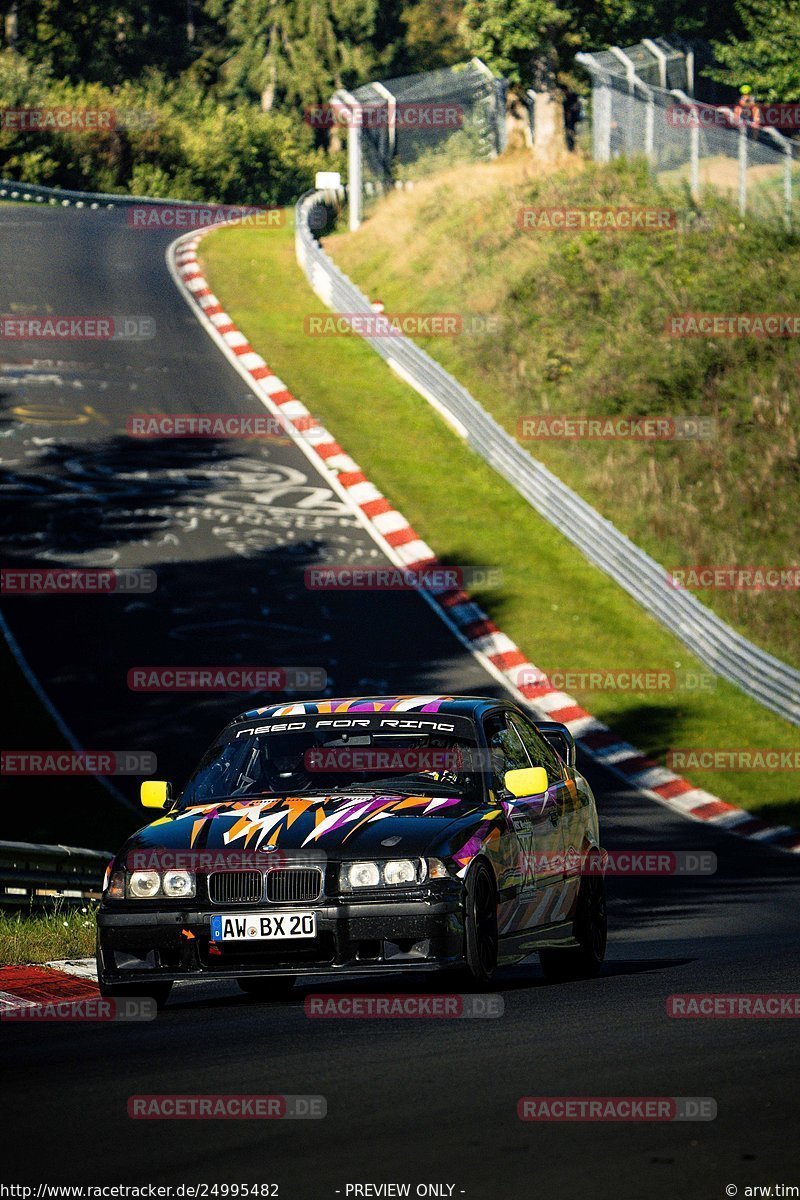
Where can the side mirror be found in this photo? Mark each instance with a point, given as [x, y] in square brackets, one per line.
[526, 781]
[560, 738]
[155, 793]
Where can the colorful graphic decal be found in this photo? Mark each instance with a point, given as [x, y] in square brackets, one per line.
[427, 704]
[485, 837]
[254, 825]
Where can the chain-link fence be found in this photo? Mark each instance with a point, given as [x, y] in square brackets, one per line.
[684, 139]
[400, 130]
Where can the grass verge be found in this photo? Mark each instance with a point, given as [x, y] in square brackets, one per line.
[561, 611]
[583, 320]
[40, 937]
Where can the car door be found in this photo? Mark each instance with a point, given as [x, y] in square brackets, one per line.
[534, 823]
[565, 815]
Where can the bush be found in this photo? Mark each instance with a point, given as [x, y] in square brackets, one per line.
[168, 139]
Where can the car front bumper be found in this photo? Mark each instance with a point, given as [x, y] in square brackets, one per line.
[352, 938]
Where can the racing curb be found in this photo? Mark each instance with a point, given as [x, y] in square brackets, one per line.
[406, 549]
[26, 986]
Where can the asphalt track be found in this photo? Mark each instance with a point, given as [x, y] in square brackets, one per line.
[229, 529]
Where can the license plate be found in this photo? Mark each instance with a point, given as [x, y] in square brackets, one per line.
[262, 927]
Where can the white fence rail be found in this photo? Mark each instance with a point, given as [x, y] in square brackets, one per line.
[763, 677]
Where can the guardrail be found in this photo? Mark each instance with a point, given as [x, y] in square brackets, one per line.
[34, 874]
[38, 193]
[730, 655]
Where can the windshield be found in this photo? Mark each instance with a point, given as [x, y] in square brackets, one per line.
[373, 754]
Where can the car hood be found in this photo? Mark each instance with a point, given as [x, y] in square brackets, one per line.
[354, 825]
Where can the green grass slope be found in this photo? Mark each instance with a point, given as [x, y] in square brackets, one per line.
[564, 613]
[582, 332]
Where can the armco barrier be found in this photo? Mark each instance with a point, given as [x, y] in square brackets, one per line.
[36, 874]
[37, 193]
[762, 676]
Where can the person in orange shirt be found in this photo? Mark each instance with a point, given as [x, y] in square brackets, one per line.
[746, 107]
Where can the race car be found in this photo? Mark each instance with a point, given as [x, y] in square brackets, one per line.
[360, 836]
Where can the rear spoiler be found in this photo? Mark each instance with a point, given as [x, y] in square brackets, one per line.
[560, 739]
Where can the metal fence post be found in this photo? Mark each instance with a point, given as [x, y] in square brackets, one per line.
[742, 167]
[661, 58]
[354, 167]
[601, 107]
[694, 155]
[391, 114]
[788, 162]
[649, 127]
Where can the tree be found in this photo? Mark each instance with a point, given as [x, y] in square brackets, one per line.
[106, 41]
[526, 41]
[433, 34]
[298, 52]
[767, 58]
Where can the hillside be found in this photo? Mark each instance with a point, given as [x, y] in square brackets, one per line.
[580, 330]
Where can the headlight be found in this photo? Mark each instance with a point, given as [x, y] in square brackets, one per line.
[395, 873]
[178, 883]
[363, 874]
[144, 884]
[401, 870]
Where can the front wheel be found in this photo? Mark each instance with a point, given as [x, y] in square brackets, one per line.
[591, 931]
[267, 987]
[480, 925]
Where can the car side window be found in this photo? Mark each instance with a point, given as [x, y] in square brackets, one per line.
[541, 753]
[505, 747]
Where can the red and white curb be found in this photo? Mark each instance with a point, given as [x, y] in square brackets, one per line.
[27, 986]
[405, 548]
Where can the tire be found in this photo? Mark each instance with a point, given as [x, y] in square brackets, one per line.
[591, 930]
[157, 990]
[480, 925]
[267, 987]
